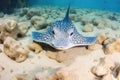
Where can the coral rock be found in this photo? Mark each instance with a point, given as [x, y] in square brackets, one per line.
[51, 55]
[21, 77]
[35, 47]
[24, 27]
[101, 38]
[38, 22]
[85, 20]
[113, 47]
[54, 14]
[11, 24]
[12, 27]
[31, 13]
[60, 56]
[114, 25]
[15, 50]
[105, 67]
[72, 17]
[3, 32]
[8, 27]
[73, 11]
[45, 16]
[101, 23]
[109, 41]
[50, 22]
[88, 28]
[23, 12]
[101, 26]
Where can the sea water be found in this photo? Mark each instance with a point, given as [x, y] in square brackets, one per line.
[109, 5]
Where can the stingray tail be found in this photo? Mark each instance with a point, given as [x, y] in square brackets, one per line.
[66, 18]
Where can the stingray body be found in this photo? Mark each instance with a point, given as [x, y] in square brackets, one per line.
[63, 35]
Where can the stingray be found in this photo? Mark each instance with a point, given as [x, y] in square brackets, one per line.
[63, 35]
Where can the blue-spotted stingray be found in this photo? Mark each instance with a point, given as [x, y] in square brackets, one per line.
[63, 35]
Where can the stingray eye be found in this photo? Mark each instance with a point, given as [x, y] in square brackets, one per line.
[53, 32]
[56, 31]
[70, 32]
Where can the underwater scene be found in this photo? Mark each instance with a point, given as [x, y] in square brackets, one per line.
[59, 39]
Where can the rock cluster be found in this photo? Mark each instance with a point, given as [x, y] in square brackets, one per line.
[108, 44]
[59, 57]
[38, 22]
[8, 27]
[99, 42]
[36, 48]
[88, 28]
[113, 47]
[15, 50]
[104, 67]
[107, 70]
[24, 27]
[31, 13]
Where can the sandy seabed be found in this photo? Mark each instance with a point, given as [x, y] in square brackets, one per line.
[100, 61]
